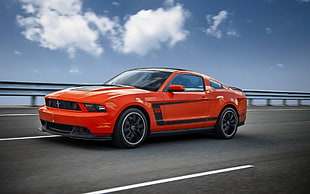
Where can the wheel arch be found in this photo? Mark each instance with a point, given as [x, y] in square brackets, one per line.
[118, 136]
[220, 131]
[230, 106]
[139, 108]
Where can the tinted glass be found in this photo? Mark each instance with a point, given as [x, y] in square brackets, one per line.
[192, 83]
[215, 84]
[143, 79]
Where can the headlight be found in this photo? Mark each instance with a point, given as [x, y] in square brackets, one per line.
[95, 108]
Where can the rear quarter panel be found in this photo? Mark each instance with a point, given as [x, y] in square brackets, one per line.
[220, 98]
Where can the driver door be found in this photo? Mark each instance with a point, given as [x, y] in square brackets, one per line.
[188, 108]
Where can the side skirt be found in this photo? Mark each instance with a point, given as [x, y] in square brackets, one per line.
[181, 131]
[241, 123]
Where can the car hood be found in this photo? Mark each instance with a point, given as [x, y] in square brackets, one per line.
[90, 93]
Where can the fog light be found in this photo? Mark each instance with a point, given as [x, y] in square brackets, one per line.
[80, 131]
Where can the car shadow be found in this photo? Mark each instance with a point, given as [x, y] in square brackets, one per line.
[108, 144]
[177, 138]
[172, 140]
[78, 143]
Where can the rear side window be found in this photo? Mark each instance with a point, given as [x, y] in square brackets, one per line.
[215, 84]
[192, 83]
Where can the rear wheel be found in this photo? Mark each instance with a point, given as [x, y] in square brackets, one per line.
[227, 124]
[131, 129]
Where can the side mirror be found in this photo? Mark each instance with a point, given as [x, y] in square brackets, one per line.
[176, 88]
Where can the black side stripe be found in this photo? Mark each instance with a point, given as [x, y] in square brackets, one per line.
[158, 114]
[184, 121]
[189, 121]
[212, 119]
[178, 102]
[159, 117]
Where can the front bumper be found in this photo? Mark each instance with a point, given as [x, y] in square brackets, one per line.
[71, 131]
[77, 124]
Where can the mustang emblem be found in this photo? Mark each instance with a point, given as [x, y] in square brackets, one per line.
[58, 103]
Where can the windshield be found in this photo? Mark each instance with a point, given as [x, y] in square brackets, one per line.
[143, 79]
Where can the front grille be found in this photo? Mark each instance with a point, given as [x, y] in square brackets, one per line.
[57, 127]
[64, 129]
[62, 104]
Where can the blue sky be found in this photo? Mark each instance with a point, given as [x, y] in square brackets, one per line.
[257, 44]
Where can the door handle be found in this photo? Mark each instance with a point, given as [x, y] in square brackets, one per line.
[204, 98]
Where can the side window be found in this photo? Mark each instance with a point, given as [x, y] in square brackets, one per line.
[215, 84]
[192, 83]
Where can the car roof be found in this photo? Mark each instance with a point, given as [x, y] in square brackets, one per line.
[172, 70]
[160, 69]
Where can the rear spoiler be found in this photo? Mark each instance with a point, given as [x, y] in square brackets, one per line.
[235, 88]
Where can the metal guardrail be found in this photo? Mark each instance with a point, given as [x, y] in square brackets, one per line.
[35, 89]
[270, 95]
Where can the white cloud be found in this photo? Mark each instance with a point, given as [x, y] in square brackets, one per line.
[304, 1]
[277, 66]
[17, 52]
[232, 33]
[268, 30]
[214, 22]
[74, 70]
[116, 3]
[29, 8]
[149, 29]
[218, 25]
[61, 25]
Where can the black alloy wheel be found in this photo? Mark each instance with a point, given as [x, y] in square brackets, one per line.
[131, 129]
[227, 124]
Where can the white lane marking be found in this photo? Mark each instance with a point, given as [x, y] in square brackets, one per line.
[160, 181]
[16, 115]
[33, 137]
[259, 110]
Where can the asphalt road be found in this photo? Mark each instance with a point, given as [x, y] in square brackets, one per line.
[275, 142]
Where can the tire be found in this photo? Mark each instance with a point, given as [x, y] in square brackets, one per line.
[227, 125]
[131, 129]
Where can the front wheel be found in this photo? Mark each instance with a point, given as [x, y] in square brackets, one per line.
[226, 126]
[131, 129]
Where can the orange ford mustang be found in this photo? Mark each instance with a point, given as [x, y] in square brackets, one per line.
[142, 102]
